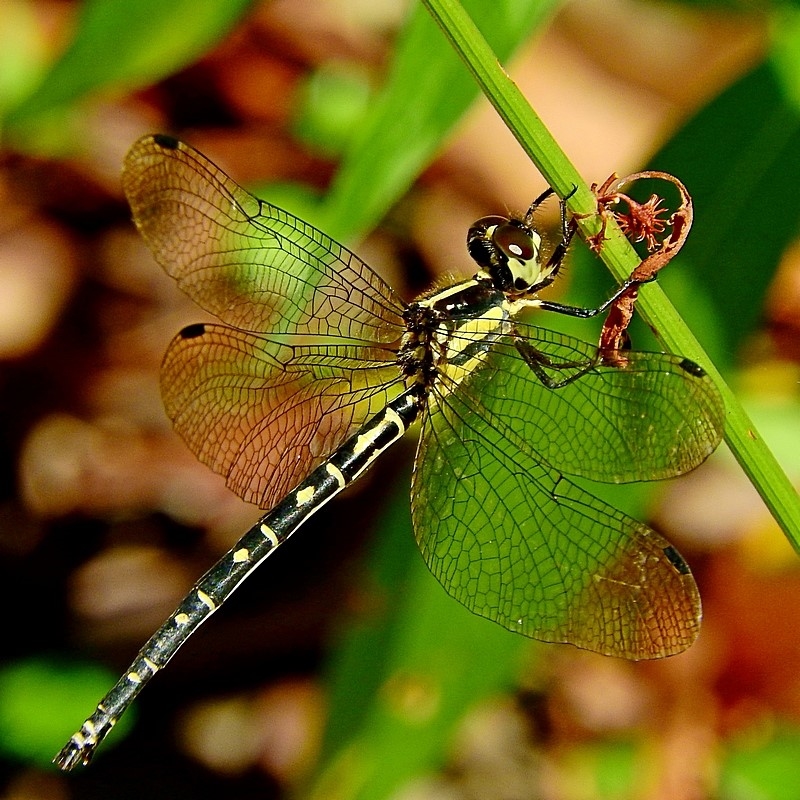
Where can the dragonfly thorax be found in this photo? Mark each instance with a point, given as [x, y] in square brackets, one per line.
[453, 329]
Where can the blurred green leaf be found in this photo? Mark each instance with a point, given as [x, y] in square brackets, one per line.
[615, 763]
[121, 45]
[785, 54]
[738, 158]
[40, 700]
[778, 419]
[332, 104]
[744, 6]
[426, 92]
[406, 673]
[770, 771]
[22, 52]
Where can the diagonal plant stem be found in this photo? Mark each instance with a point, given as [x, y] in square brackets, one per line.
[749, 449]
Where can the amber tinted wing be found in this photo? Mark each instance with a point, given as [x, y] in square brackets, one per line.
[249, 263]
[263, 413]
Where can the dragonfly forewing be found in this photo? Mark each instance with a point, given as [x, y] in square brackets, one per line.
[251, 264]
[652, 419]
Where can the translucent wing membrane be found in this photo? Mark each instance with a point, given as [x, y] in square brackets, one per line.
[515, 542]
[263, 413]
[249, 263]
[656, 418]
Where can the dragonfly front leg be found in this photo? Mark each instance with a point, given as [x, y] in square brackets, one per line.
[587, 313]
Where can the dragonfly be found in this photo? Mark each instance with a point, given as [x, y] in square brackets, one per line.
[317, 366]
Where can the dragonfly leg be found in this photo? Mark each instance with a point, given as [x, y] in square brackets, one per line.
[568, 228]
[538, 362]
[586, 313]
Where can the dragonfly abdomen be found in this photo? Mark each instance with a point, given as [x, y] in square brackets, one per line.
[344, 465]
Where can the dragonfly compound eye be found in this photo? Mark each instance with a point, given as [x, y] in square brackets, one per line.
[517, 248]
[508, 250]
[480, 242]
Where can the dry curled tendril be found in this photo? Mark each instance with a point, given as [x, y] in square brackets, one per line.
[641, 222]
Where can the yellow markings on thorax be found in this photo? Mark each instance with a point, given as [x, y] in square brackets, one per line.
[470, 332]
[518, 304]
[474, 329]
[448, 291]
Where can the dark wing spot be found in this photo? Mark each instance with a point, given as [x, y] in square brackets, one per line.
[193, 331]
[693, 369]
[168, 142]
[677, 560]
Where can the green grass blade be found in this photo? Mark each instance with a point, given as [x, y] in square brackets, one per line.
[738, 156]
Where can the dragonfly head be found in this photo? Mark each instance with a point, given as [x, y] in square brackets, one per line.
[508, 252]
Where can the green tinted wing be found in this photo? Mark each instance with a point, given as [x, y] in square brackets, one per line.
[656, 417]
[264, 414]
[515, 542]
[249, 263]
